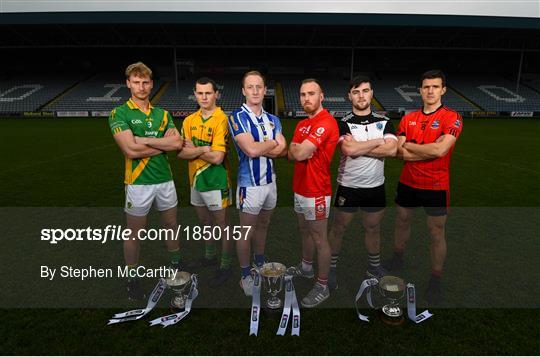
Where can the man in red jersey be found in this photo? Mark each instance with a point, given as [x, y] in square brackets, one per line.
[312, 148]
[426, 139]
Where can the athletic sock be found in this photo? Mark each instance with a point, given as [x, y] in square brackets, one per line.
[132, 272]
[334, 260]
[225, 260]
[436, 275]
[209, 251]
[307, 265]
[246, 271]
[374, 260]
[322, 281]
[398, 254]
[175, 256]
[259, 259]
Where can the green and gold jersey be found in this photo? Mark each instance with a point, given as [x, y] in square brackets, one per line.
[213, 132]
[152, 124]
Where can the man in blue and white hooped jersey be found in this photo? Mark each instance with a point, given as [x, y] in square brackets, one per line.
[258, 141]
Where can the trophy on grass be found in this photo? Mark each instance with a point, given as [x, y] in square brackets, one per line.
[392, 289]
[179, 284]
[272, 276]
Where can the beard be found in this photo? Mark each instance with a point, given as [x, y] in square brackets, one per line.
[363, 106]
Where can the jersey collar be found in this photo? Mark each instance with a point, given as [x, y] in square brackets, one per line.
[247, 109]
[131, 104]
[433, 112]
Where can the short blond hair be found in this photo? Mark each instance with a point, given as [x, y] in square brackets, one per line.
[138, 69]
[253, 73]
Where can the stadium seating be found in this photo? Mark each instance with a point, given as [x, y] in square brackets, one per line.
[335, 94]
[400, 93]
[100, 93]
[497, 94]
[30, 93]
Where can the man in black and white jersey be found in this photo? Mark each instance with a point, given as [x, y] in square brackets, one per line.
[366, 138]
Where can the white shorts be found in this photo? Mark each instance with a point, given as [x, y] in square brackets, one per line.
[254, 198]
[214, 200]
[313, 208]
[140, 198]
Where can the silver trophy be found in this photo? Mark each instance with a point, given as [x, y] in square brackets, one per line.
[392, 289]
[179, 284]
[272, 275]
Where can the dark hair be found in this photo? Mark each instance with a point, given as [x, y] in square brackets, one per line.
[432, 74]
[206, 80]
[356, 81]
[313, 80]
[253, 73]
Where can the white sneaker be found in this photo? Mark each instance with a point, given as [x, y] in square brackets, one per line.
[246, 283]
[317, 295]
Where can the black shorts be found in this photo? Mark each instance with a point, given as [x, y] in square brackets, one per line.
[435, 202]
[368, 199]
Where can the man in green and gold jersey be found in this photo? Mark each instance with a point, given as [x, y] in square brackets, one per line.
[205, 134]
[145, 133]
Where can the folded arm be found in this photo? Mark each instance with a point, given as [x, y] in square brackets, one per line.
[388, 149]
[171, 141]
[132, 149]
[432, 150]
[253, 148]
[302, 151]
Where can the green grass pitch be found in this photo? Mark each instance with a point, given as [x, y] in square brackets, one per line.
[69, 171]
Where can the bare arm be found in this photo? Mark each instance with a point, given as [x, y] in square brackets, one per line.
[190, 151]
[351, 147]
[131, 149]
[432, 150]
[170, 142]
[280, 150]
[301, 152]
[213, 157]
[253, 148]
[388, 149]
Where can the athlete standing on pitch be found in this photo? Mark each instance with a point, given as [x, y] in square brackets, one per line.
[426, 139]
[145, 133]
[205, 135]
[258, 141]
[366, 138]
[312, 148]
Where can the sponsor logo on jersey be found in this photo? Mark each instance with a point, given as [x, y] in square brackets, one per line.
[353, 126]
[150, 133]
[412, 123]
[435, 124]
[379, 126]
[305, 129]
[136, 121]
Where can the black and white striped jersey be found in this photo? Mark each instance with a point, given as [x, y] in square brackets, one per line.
[363, 171]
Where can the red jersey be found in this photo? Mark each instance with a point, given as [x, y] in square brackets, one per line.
[312, 176]
[422, 128]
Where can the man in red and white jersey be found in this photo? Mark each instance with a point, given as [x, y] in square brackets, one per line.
[426, 139]
[312, 149]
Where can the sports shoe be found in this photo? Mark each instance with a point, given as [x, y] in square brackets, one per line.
[434, 294]
[317, 295]
[376, 272]
[298, 271]
[395, 263]
[134, 290]
[246, 283]
[220, 277]
[332, 279]
[202, 263]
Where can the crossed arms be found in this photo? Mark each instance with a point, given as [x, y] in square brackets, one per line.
[409, 151]
[135, 147]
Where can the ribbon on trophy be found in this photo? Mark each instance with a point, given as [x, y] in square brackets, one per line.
[411, 306]
[290, 302]
[255, 304]
[366, 286]
[134, 315]
[172, 319]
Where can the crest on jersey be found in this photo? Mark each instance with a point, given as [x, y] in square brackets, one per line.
[320, 208]
[435, 124]
[379, 126]
[272, 125]
[457, 123]
[149, 121]
[319, 131]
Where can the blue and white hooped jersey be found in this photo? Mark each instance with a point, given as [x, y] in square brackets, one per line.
[260, 170]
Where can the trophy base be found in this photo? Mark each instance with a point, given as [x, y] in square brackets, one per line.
[391, 320]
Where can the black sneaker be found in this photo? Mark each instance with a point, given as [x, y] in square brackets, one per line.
[134, 290]
[434, 294]
[396, 263]
[202, 263]
[220, 277]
